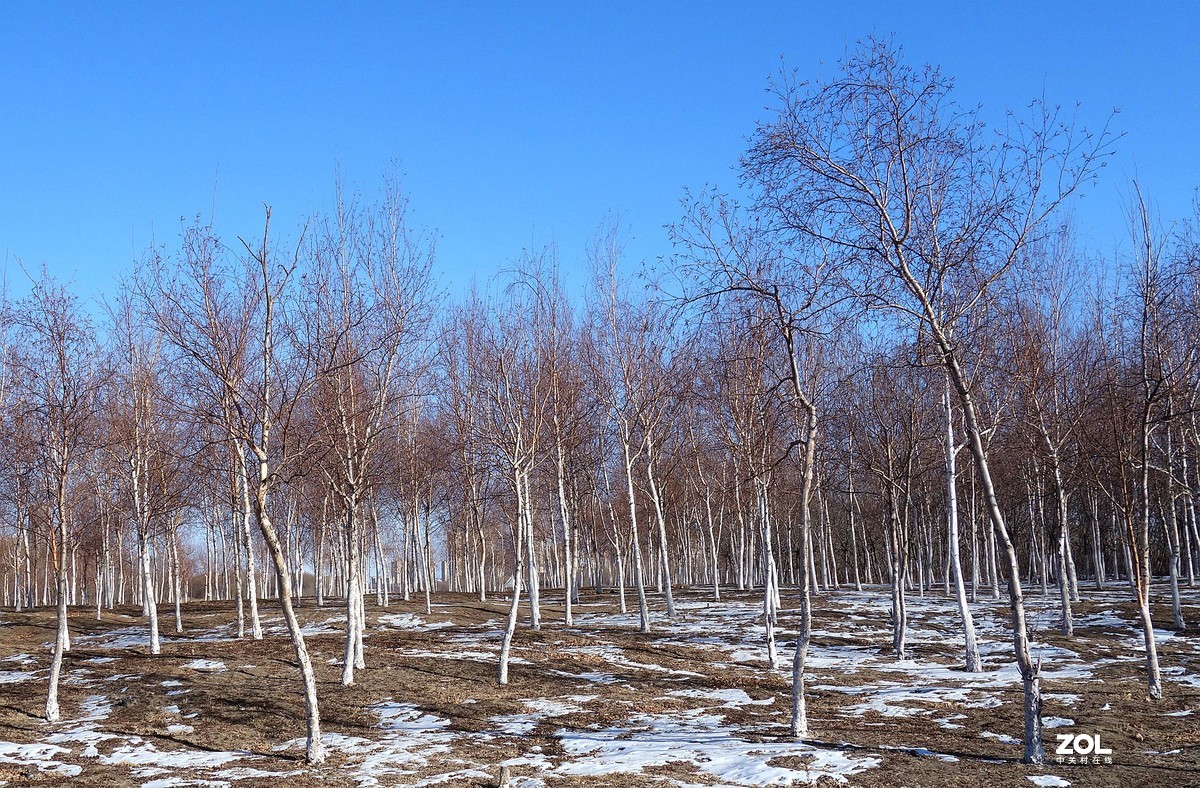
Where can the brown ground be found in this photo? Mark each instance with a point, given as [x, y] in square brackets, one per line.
[255, 706]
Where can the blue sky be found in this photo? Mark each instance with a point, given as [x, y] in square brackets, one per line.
[513, 123]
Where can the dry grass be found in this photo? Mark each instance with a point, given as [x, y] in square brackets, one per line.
[254, 706]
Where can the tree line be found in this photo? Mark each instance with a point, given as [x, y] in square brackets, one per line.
[885, 359]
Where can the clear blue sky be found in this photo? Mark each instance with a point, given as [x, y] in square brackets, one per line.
[512, 122]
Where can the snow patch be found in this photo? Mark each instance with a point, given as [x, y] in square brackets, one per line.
[206, 665]
[96, 707]
[38, 755]
[140, 753]
[411, 621]
[1047, 781]
[700, 739]
[730, 698]
[1003, 738]
[411, 737]
[523, 724]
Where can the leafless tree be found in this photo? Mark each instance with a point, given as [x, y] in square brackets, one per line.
[60, 372]
[226, 316]
[882, 164]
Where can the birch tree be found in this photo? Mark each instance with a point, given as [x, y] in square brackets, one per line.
[60, 373]
[366, 305]
[880, 162]
[729, 257]
[227, 316]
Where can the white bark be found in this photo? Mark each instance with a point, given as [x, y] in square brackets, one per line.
[149, 605]
[518, 570]
[972, 647]
[61, 638]
[352, 658]
[638, 570]
[248, 549]
[664, 552]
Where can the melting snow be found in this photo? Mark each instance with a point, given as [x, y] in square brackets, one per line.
[411, 621]
[39, 755]
[1003, 738]
[208, 665]
[657, 740]
[96, 707]
[730, 698]
[523, 724]
[1048, 781]
[143, 754]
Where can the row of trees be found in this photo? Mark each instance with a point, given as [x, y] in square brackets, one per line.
[788, 406]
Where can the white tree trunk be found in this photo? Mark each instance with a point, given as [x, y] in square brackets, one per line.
[62, 639]
[972, 647]
[149, 605]
[664, 553]
[639, 577]
[248, 550]
[518, 570]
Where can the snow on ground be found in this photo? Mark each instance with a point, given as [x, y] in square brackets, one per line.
[410, 739]
[330, 626]
[616, 656]
[596, 677]
[729, 698]
[411, 621]
[704, 741]
[920, 681]
[1003, 738]
[691, 726]
[82, 735]
[151, 761]
[891, 701]
[138, 637]
[1048, 781]
[40, 756]
[541, 709]
[206, 665]
[15, 676]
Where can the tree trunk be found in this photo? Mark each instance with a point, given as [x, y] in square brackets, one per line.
[664, 553]
[61, 639]
[248, 550]
[972, 647]
[638, 570]
[799, 727]
[518, 570]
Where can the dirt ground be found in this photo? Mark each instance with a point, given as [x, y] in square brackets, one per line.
[212, 709]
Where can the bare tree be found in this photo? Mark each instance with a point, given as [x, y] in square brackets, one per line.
[227, 318]
[797, 296]
[366, 306]
[60, 373]
[881, 163]
[1142, 408]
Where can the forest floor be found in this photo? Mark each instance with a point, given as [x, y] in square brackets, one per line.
[598, 703]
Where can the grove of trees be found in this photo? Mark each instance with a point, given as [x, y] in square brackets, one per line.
[887, 358]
